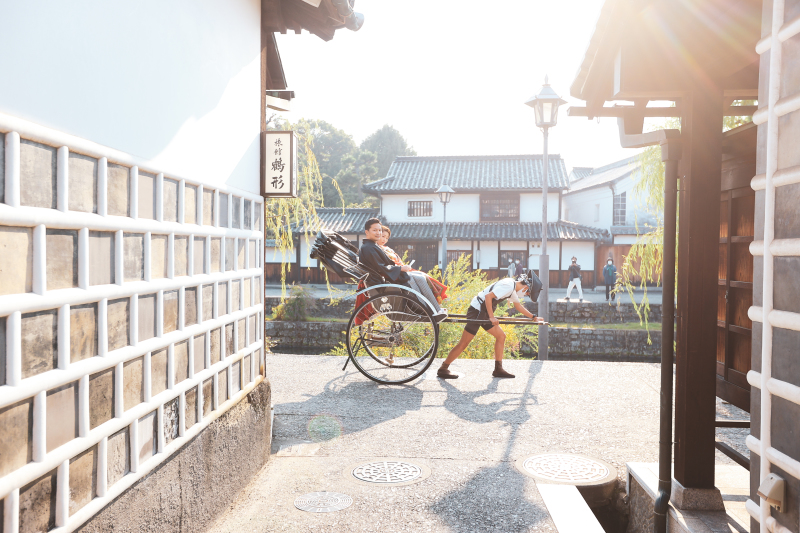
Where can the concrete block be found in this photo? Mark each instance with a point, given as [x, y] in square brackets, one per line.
[101, 397]
[180, 357]
[240, 246]
[101, 257]
[170, 200]
[235, 295]
[158, 372]
[132, 383]
[118, 190]
[118, 456]
[133, 262]
[223, 210]
[158, 256]
[170, 311]
[230, 258]
[82, 183]
[208, 302]
[199, 353]
[253, 256]
[147, 436]
[170, 421]
[222, 298]
[207, 396]
[189, 204]
[247, 298]
[39, 342]
[190, 415]
[147, 195]
[181, 256]
[37, 505]
[229, 347]
[242, 335]
[190, 306]
[198, 261]
[16, 431]
[216, 335]
[147, 317]
[236, 377]
[82, 479]
[62, 415]
[246, 368]
[222, 387]
[62, 259]
[248, 214]
[236, 215]
[82, 331]
[118, 323]
[16, 260]
[208, 207]
[216, 252]
[37, 174]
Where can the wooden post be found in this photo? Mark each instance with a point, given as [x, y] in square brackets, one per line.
[698, 242]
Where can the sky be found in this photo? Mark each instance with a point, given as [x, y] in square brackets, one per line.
[453, 76]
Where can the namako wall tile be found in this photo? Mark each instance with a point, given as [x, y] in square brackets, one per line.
[146, 195]
[118, 456]
[82, 331]
[37, 504]
[118, 323]
[208, 207]
[82, 183]
[132, 383]
[158, 256]
[180, 357]
[62, 259]
[189, 204]
[170, 200]
[16, 260]
[147, 316]
[62, 415]
[101, 257]
[39, 342]
[133, 261]
[158, 371]
[82, 479]
[16, 431]
[190, 306]
[199, 355]
[37, 175]
[199, 259]
[101, 397]
[170, 311]
[208, 302]
[181, 258]
[118, 183]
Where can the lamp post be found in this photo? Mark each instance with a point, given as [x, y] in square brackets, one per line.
[444, 192]
[545, 105]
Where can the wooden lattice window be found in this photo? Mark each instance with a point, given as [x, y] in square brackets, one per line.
[422, 208]
[499, 208]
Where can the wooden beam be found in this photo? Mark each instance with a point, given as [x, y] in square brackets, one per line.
[649, 112]
[698, 257]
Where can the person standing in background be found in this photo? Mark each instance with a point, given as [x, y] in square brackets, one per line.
[610, 277]
[575, 278]
[520, 270]
[512, 270]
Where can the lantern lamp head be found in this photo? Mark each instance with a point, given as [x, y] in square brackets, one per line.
[444, 192]
[545, 105]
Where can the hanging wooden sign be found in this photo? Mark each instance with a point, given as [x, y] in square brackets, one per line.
[279, 176]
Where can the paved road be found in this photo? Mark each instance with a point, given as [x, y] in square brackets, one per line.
[591, 295]
[468, 432]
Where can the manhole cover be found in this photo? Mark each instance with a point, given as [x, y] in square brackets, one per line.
[566, 468]
[323, 502]
[387, 472]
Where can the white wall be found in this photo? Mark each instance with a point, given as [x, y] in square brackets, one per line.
[580, 207]
[274, 255]
[488, 254]
[584, 251]
[173, 82]
[530, 207]
[462, 208]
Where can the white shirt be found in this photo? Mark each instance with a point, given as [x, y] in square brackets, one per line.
[502, 289]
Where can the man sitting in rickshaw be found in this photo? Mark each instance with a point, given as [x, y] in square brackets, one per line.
[481, 311]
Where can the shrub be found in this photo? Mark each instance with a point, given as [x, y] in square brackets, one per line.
[296, 306]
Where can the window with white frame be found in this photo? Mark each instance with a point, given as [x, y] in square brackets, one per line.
[619, 209]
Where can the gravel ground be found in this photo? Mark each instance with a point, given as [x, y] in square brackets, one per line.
[468, 432]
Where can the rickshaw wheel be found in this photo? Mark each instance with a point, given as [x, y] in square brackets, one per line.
[397, 343]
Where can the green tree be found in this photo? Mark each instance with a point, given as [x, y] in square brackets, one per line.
[358, 168]
[386, 144]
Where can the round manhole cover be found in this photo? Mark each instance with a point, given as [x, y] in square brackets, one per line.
[323, 502]
[387, 472]
[566, 468]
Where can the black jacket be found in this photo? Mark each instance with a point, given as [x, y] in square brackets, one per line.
[574, 271]
[371, 256]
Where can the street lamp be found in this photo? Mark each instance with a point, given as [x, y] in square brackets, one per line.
[545, 105]
[444, 192]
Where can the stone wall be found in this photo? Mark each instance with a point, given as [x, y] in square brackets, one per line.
[565, 343]
[569, 312]
[130, 312]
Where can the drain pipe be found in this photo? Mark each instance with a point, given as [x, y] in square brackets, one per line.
[352, 20]
[670, 154]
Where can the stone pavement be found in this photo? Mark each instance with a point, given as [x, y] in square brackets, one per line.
[597, 295]
[468, 432]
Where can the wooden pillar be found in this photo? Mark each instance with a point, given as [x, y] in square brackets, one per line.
[698, 243]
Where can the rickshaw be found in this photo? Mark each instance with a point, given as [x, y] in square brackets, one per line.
[392, 336]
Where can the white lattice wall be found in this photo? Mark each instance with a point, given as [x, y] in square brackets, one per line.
[131, 307]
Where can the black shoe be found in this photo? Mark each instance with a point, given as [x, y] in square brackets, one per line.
[445, 373]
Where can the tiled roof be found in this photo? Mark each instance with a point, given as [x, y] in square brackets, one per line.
[632, 230]
[581, 172]
[470, 173]
[496, 231]
[332, 218]
[604, 175]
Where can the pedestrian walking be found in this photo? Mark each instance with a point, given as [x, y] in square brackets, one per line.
[575, 279]
[610, 278]
[512, 269]
[520, 269]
